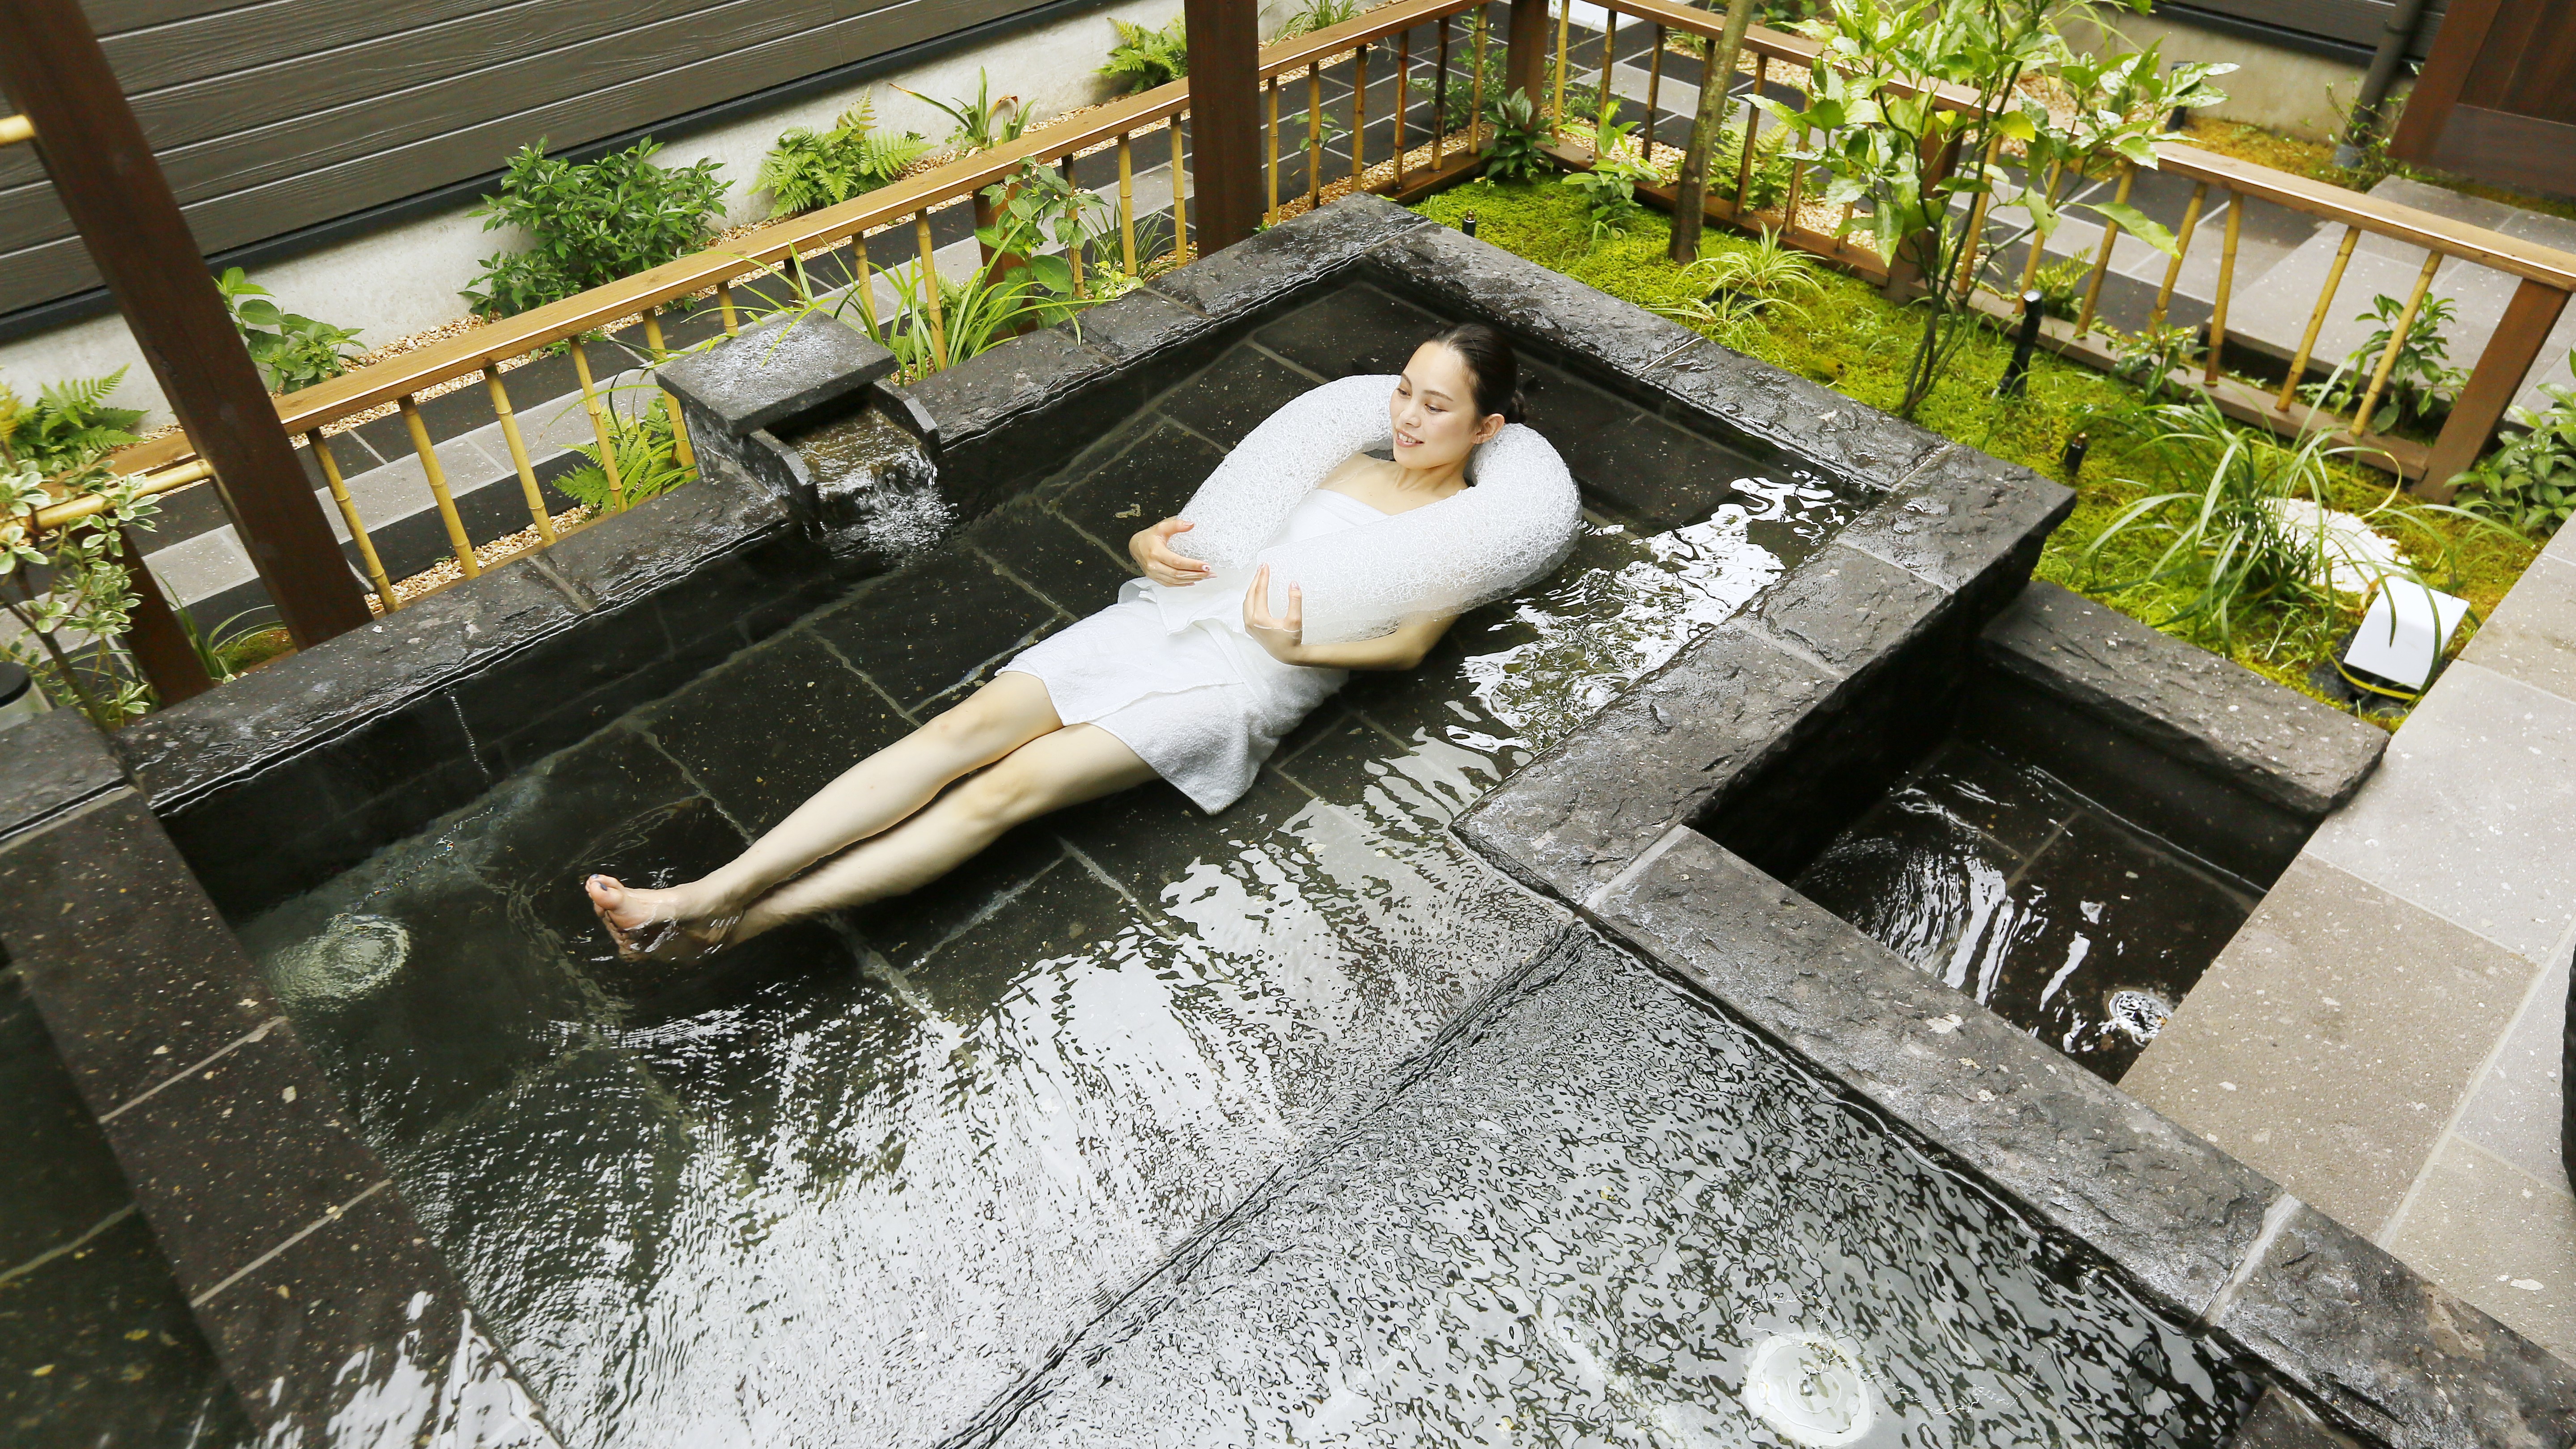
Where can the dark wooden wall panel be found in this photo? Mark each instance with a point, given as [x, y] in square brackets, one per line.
[404, 96]
[2348, 22]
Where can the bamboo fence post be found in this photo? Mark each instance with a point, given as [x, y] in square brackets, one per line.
[2182, 249]
[357, 526]
[1564, 28]
[732, 319]
[1609, 51]
[867, 286]
[599, 426]
[2102, 264]
[681, 453]
[2317, 319]
[1476, 92]
[1965, 284]
[509, 420]
[2235, 205]
[930, 285]
[429, 467]
[1654, 91]
[2396, 343]
[1126, 204]
[1314, 135]
[1359, 117]
[1273, 214]
[1440, 102]
[1403, 78]
[2047, 196]
[1180, 199]
[1752, 123]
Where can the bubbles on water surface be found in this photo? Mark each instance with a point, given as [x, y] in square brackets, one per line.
[2141, 1014]
[1810, 1388]
[353, 955]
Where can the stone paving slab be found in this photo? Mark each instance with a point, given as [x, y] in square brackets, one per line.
[2498, 1237]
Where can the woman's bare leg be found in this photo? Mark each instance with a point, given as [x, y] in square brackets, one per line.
[867, 798]
[1067, 767]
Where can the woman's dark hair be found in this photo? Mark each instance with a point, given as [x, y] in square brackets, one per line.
[1495, 372]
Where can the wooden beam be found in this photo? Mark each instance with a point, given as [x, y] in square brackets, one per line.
[94, 151]
[2511, 350]
[1525, 32]
[1225, 118]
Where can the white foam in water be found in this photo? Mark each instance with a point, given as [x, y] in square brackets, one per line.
[1810, 1389]
[1491, 540]
[2139, 1013]
[353, 955]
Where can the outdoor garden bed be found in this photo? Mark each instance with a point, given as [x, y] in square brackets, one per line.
[1855, 341]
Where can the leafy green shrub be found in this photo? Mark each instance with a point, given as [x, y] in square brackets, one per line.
[1143, 59]
[647, 462]
[1768, 268]
[1319, 15]
[2421, 383]
[67, 426]
[591, 223]
[1512, 139]
[2149, 358]
[2530, 481]
[810, 168]
[1610, 187]
[1035, 210]
[980, 122]
[292, 351]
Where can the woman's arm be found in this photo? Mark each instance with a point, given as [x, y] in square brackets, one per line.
[1284, 636]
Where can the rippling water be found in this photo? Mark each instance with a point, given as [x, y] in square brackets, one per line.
[881, 1170]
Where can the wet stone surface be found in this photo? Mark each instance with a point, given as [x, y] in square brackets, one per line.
[877, 1171]
[1579, 1223]
[2068, 921]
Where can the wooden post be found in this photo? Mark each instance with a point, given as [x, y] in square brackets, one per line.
[93, 149]
[1225, 118]
[159, 646]
[2510, 352]
[1525, 39]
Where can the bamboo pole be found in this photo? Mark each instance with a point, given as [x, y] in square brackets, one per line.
[2182, 249]
[509, 420]
[2235, 205]
[2102, 264]
[1476, 92]
[1440, 101]
[1403, 78]
[1609, 52]
[1126, 204]
[1966, 282]
[1359, 117]
[1564, 28]
[1180, 199]
[681, 453]
[1654, 91]
[2396, 343]
[357, 526]
[1272, 216]
[930, 285]
[456, 539]
[1314, 135]
[2317, 320]
[1752, 123]
[599, 426]
[867, 286]
[732, 319]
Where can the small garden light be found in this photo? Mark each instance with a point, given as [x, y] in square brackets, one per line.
[2073, 460]
[1467, 223]
[2016, 379]
[2404, 632]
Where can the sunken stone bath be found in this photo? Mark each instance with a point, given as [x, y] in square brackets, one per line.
[1475, 1079]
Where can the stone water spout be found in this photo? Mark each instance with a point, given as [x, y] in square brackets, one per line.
[858, 474]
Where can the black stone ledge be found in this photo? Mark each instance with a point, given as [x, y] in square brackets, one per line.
[1255, 272]
[1874, 449]
[1458, 272]
[50, 765]
[775, 371]
[2385, 1351]
[1965, 521]
[2379, 1349]
[2183, 701]
[241, 1155]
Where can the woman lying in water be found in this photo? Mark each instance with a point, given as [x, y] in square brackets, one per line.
[1201, 666]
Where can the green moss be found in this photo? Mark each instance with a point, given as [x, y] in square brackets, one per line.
[1858, 343]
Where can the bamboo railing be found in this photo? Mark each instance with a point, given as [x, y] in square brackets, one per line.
[900, 212]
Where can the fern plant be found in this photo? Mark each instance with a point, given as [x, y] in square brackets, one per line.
[67, 426]
[812, 168]
[981, 125]
[591, 223]
[1319, 15]
[1143, 59]
[647, 462]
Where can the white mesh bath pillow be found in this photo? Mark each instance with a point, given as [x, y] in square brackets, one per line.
[1507, 531]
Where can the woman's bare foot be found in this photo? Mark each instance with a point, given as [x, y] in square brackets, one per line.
[658, 926]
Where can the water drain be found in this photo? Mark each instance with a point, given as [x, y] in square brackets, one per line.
[353, 955]
[1809, 1388]
[2139, 1013]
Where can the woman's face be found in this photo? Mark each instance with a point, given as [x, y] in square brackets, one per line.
[1434, 410]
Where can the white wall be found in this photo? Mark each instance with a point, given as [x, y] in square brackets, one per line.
[405, 278]
[2288, 91]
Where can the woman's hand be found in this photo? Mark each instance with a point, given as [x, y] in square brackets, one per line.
[1284, 636]
[1152, 550]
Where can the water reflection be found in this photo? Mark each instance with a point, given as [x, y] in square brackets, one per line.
[880, 1172]
[1598, 1219]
